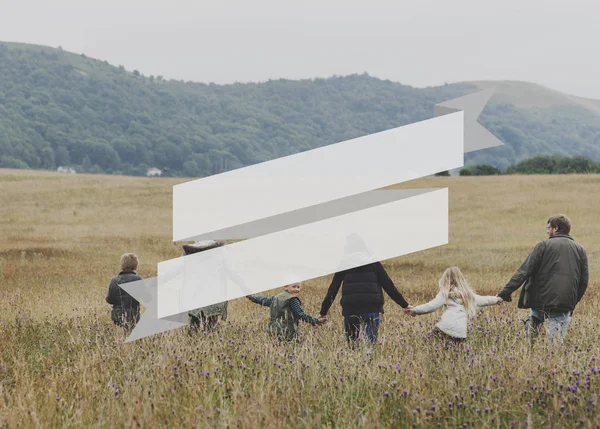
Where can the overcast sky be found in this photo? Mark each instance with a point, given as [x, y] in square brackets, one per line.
[418, 43]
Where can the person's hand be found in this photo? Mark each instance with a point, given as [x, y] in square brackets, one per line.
[249, 297]
[410, 310]
[500, 300]
[321, 320]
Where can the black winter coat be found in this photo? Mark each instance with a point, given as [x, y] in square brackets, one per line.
[362, 290]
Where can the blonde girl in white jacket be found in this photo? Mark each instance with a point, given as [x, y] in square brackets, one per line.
[461, 303]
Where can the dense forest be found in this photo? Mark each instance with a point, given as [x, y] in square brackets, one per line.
[62, 109]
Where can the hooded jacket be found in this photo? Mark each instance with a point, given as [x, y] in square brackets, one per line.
[558, 272]
[455, 319]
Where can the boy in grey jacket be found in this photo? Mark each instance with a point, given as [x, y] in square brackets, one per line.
[126, 309]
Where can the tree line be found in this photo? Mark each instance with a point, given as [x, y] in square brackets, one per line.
[63, 109]
[541, 164]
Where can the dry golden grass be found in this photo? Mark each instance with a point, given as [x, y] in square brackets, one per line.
[63, 363]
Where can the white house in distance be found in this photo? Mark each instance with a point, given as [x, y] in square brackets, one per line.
[63, 169]
[153, 172]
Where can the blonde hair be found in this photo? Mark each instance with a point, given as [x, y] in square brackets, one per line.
[129, 261]
[453, 281]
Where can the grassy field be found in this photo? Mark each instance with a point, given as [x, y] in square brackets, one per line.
[64, 364]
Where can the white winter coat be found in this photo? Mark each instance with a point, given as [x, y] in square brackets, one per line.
[455, 318]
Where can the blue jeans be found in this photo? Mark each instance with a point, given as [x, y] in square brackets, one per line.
[354, 323]
[557, 325]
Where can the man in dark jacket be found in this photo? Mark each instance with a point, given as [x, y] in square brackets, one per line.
[362, 298]
[557, 273]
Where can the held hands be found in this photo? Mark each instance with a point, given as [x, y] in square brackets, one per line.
[500, 301]
[410, 310]
[321, 320]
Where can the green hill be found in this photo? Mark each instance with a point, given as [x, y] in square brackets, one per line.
[59, 108]
[534, 120]
[528, 95]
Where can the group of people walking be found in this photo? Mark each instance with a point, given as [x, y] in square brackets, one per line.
[555, 275]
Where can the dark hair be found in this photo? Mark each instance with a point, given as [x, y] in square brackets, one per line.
[562, 222]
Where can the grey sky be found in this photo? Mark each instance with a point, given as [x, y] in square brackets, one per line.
[418, 43]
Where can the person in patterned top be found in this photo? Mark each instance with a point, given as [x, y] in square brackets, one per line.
[286, 312]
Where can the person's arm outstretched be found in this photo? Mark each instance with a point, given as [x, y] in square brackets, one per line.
[527, 268]
[388, 285]
[262, 300]
[431, 306]
[297, 310]
[484, 301]
[334, 287]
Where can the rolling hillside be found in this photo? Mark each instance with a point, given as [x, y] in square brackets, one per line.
[59, 108]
